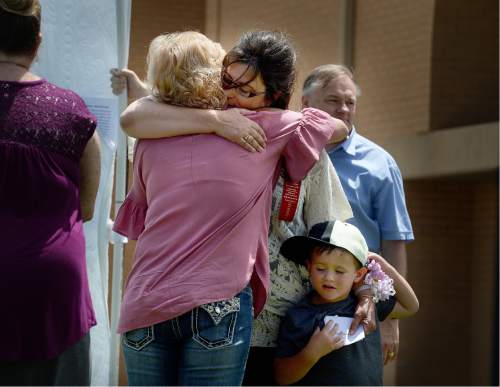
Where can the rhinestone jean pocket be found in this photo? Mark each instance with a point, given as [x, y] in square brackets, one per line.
[218, 310]
[213, 323]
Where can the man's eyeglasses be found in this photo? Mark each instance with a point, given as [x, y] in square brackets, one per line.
[242, 89]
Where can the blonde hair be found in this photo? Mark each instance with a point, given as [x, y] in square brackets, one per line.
[184, 68]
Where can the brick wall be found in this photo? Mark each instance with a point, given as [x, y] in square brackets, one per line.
[425, 65]
[464, 63]
[153, 17]
[452, 266]
[392, 65]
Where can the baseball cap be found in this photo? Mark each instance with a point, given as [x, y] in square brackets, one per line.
[334, 233]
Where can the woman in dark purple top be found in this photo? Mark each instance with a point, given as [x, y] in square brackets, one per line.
[49, 172]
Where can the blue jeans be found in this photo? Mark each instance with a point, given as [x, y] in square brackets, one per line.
[206, 346]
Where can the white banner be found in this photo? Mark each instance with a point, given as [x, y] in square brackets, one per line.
[81, 41]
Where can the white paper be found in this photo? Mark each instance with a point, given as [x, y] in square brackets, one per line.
[106, 112]
[344, 323]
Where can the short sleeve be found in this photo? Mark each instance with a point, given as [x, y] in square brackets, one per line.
[390, 207]
[325, 198]
[287, 344]
[302, 150]
[84, 122]
[74, 120]
[131, 217]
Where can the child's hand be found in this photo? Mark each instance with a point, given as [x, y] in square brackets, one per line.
[380, 260]
[325, 341]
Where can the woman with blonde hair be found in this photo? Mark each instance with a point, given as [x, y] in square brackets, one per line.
[183, 70]
[199, 208]
[49, 174]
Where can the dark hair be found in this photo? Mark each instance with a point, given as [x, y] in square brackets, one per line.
[19, 26]
[270, 54]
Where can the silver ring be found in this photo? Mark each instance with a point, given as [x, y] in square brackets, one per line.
[247, 138]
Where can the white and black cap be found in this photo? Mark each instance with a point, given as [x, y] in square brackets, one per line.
[333, 233]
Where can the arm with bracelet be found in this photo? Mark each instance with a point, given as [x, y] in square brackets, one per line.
[376, 285]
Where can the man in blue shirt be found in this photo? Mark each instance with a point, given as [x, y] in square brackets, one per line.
[370, 177]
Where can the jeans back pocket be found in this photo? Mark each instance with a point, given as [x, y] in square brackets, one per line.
[139, 338]
[213, 323]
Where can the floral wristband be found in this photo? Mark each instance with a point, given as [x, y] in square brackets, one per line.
[381, 283]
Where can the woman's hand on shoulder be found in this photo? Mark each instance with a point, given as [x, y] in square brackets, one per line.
[235, 127]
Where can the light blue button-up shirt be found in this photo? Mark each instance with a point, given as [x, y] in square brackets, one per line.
[372, 182]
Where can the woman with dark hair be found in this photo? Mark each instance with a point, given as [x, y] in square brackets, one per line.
[49, 173]
[201, 228]
[266, 54]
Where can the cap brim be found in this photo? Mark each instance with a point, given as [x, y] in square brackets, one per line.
[298, 248]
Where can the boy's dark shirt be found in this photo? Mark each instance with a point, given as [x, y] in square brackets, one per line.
[359, 364]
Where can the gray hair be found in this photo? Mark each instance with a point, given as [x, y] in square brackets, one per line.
[321, 76]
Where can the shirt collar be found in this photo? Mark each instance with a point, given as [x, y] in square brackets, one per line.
[348, 145]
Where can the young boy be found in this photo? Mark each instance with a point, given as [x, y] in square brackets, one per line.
[312, 353]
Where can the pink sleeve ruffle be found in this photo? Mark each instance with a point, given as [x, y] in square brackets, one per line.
[130, 218]
[302, 151]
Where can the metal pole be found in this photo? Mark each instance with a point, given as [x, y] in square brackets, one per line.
[123, 10]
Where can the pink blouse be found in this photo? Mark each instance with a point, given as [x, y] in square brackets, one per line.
[199, 208]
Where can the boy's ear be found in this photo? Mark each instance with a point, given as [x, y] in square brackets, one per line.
[307, 263]
[360, 274]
